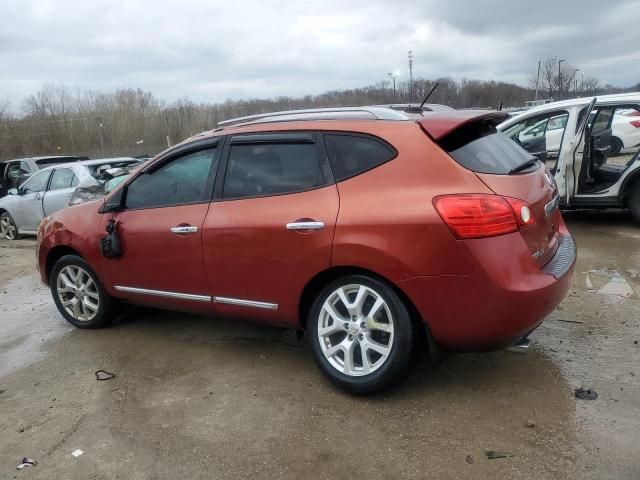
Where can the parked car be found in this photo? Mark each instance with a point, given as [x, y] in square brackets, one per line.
[52, 189]
[578, 153]
[365, 227]
[15, 172]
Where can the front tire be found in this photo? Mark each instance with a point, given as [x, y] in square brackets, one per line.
[79, 295]
[361, 334]
[8, 227]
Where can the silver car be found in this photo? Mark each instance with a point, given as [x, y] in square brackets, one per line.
[50, 190]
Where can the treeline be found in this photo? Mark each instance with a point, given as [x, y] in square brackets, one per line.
[60, 120]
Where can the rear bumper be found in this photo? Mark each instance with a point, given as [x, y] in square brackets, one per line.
[506, 297]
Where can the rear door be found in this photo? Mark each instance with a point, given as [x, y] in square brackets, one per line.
[28, 206]
[61, 187]
[271, 227]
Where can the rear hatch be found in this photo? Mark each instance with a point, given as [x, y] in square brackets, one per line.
[471, 139]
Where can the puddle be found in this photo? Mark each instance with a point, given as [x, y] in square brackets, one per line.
[608, 282]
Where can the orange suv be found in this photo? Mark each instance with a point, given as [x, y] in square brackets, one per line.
[368, 227]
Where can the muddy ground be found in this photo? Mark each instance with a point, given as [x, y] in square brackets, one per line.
[196, 397]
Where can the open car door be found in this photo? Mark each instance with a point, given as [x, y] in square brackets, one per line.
[567, 175]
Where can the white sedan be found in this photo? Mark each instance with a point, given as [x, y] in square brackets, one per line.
[50, 190]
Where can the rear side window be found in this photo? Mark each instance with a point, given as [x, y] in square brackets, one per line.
[62, 178]
[482, 149]
[351, 155]
[256, 170]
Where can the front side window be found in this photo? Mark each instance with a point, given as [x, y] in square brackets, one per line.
[255, 170]
[25, 169]
[37, 183]
[62, 178]
[182, 181]
[351, 155]
[13, 171]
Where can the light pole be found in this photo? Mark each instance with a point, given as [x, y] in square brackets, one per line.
[575, 80]
[410, 76]
[393, 76]
[560, 76]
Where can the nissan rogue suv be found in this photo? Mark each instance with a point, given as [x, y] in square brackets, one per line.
[368, 228]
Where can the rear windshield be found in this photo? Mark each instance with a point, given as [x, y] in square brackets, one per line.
[483, 149]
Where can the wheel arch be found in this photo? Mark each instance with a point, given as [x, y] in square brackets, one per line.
[322, 279]
[627, 186]
[55, 254]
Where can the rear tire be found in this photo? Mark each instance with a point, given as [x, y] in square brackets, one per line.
[8, 227]
[615, 146]
[361, 334]
[79, 295]
[634, 201]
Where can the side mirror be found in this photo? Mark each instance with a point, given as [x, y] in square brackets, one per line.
[13, 191]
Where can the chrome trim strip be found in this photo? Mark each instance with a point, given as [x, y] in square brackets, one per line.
[305, 226]
[161, 293]
[245, 303]
[184, 229]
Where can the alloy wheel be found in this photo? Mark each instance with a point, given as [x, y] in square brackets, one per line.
[8, 228]
[355, 330]
[78, 293]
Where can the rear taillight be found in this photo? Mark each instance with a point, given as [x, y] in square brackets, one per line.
[635, 123]
[478, 215]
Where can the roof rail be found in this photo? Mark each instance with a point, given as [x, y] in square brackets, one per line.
[336, 113]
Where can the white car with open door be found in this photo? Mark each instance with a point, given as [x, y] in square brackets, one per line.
[586, 174]
[52, 189]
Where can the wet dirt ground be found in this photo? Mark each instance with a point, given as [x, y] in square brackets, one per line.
[196, 397]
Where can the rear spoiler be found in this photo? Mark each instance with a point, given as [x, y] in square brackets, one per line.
[439, 125]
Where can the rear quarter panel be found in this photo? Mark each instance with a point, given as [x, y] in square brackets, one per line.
[387, 222]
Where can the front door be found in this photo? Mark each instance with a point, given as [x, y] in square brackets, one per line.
[160, 230]
[28, 206]
[271, 227]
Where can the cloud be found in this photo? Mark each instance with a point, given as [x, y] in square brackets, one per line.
[212, 50]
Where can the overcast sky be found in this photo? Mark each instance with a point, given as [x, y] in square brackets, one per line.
[211, 50]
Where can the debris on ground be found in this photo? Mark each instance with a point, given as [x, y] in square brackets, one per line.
[26, 462]
[568, 321]
[102, 375]
[469, 459]
[586, 394]
[530, 423]
[77, 453]
[493, 454]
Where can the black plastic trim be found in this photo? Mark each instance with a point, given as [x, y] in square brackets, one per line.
[286, 137]
[563, 259]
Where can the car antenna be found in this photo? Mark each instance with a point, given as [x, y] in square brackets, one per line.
[429, 94]
[500, 107]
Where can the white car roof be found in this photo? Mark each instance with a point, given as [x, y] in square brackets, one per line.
[89, 163]
[574, 102]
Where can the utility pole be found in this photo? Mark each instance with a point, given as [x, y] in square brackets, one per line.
[410, 76]
[101, 140]
[575, 80]
[560, 77]
[393, 77]
[537, 80]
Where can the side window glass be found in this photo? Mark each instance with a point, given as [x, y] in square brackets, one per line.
[24, 168]
[62, 178]
[74, 181]
[541, 135]
[256, 170]
[182, 181]
[351, 155]
[37, 183]
[13, 172]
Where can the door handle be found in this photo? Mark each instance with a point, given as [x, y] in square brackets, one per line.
[312, 225]
[38, 197]
[184, 229]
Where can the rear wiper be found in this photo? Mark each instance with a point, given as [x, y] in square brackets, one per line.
[523, 166]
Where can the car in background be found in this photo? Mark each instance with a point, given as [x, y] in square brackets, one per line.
[579, 153]
[15, 172]
[54, 188]
[625, 130]
[368, 228]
